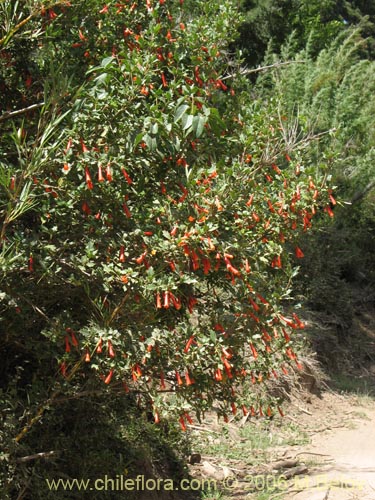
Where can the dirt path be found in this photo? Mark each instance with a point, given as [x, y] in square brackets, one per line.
[337, 458]
[351, 473]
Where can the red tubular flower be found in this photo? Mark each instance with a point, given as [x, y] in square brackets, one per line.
[247, 266]
[290, 353]
[276, 262]
[99, 347]
[300, 323]
[122, 254]
[288, 321]
[227, 353]
[188, 344]
[231, 268]
[109, 377]
[250, 201]
[286, 336]
[164, 80]
[162, 381]
[298, 252]
[100, 174]
[108, 173]
[67, 344]
[63, 368]
[174, 231]
[84, 148]
[85, 208]
[89, 183]
[206, 265]
[31, 263]
[182, 423]
[158, 301]
[254, 351]
[254, 304]
[332, 199]
[111, 352]
[234, 409]
[156, 418]
[141, 258]
[192, 301]
[227, 367]
[329, 211]
[265, 335]
[127, 177]
[138, 370]
[189, 381]
[284, 370]
[221, 84]
[175, 301]
[68, 146]
[195, 259]
[166, 300]
[218, 375]
[74, 338]
[188, 418]
[270, 206]
[126, 210]
[179, 379]
[262, 299]
[87, 356]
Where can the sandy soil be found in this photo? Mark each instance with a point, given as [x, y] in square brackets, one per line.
[351, 452]
[339, 459]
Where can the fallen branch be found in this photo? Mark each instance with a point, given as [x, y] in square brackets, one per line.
[330, 427]
[303, 410]
[295, 471]
[283, 464]
[311, 453]
[281, 493]
[199, 428]
[327, 494]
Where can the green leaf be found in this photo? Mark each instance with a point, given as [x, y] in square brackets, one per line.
[154, 128]
[151, 142]
[187, 121]
[138, 139]
[107, 61]
[180, 111]
[198, 125]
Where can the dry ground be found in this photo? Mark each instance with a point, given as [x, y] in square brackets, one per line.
[326, 444]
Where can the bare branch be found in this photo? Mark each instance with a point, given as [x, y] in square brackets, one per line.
[361, 194]
[11, 114]
[243, 71]
[44, 455]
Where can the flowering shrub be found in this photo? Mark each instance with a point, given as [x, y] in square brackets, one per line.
[151, 212]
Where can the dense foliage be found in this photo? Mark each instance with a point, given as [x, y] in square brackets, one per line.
[268, 24]
[333, 93]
